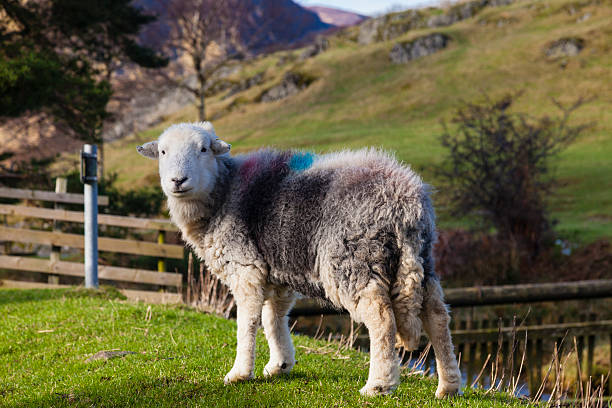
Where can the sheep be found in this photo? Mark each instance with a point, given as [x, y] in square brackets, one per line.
[353, 228]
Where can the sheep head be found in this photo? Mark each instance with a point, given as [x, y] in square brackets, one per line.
[187, 155]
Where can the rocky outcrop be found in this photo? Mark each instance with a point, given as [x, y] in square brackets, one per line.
[227, 70]
[146, 108]
[320, 44]
[564, 47]
[457, 13]
[391, 26]
[214, 87]
[292, 83]
[403, 52]
[285, 59]
[133, 109]
[368, 30]
[463, 11]
[245, 84]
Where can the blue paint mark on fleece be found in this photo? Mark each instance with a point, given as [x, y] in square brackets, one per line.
[301, 161]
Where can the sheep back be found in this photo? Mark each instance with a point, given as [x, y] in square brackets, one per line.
[342, 217]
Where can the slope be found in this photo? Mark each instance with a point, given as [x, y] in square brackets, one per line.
[360, 98]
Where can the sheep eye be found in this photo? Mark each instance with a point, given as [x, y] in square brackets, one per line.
[163, 152]
[203, 149]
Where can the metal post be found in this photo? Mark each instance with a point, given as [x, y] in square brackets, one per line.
[91, 216]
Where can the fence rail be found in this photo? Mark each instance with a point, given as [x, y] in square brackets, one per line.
[77, 216]
[68, 198]
[104, 272]
[536, 292]
[123, 246]
[494, 295]
[534, 331]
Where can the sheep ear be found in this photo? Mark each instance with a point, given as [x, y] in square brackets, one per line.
[220, 147]
[149, 150]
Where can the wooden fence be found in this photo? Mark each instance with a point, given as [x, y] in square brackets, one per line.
[55, 266]
[478, 331]
[495, 295]
[478, 335]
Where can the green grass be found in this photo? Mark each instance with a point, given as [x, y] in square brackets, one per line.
[181, 358]
[361, 99]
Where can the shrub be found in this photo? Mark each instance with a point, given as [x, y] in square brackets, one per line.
[498, 168]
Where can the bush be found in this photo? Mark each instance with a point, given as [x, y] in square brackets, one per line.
[498, 168]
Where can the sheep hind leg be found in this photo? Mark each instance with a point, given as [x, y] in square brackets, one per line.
[375, 311]
[435, 322]
[275, 322]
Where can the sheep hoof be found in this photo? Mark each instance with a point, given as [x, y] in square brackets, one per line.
[272, 369]
[447, 390]
[235, 376]
[376, 388]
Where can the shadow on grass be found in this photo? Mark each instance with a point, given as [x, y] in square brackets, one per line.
[280, 391]
[167, 391]
[8, 296]
[181, 391]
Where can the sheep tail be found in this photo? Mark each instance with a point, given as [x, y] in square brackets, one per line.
[407, 297]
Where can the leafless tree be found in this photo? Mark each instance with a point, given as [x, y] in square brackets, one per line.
[207, 33]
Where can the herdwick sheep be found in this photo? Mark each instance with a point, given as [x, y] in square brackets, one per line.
[354, 228]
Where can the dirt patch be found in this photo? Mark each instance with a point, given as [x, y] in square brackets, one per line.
[107, 355]
[33, 139]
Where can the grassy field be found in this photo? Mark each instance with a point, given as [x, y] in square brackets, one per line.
[361, 99]
[180, 359]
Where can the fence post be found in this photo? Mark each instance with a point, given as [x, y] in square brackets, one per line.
[161, 262]
[90, 180]
[7, 244]
[61, 186]
[610, 374]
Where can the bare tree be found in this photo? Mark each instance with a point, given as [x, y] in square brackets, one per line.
[207, 33]
[498, 167]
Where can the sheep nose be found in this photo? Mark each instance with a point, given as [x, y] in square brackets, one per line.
[179, 181]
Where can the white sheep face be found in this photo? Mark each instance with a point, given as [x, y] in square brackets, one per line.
[187, 155]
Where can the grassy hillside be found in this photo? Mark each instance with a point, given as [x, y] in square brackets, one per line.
[180, 357]
[361, 99]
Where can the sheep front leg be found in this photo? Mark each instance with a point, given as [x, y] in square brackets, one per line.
[275, 322]
[249, 301]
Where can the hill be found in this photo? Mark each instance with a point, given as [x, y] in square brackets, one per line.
[359, 97]
[270, 23]
[177, 357]
[337, 17]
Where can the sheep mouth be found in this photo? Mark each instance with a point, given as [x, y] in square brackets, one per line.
[181, 192]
